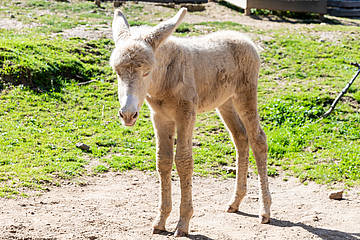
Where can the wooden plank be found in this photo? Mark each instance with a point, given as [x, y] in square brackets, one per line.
[344, 3]
[344, 12]
[238, 3]
[316, 6]
[169, 1]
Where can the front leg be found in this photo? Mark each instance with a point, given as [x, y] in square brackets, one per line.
[164, 132]
[185, 121]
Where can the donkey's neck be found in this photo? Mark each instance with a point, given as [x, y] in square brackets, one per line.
[167, 74]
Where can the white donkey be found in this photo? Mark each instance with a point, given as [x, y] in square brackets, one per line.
[180, 77]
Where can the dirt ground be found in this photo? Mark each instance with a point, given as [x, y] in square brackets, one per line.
[123, 206]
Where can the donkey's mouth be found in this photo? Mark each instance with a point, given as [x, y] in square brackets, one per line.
[130, 123]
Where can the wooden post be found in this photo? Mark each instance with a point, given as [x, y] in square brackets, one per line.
[332, 107]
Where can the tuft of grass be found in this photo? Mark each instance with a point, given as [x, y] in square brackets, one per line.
[100, 169]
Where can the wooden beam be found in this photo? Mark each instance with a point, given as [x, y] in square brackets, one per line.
[343, 3]
[171, 1]
[315, 6]
[344, 12]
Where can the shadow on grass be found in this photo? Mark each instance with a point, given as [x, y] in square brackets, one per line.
[322, 233]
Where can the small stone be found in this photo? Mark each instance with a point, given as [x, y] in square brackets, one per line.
[230, 170]
[83, 146]
[337, 195]
[12, 16]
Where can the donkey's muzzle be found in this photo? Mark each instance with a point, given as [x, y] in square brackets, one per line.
[129, 118]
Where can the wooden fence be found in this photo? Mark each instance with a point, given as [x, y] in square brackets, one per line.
[344, 8]
[316, 6]
[160, 1]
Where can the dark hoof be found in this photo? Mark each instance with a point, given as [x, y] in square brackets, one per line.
[231, 209]
[158, 231]
[264, 219]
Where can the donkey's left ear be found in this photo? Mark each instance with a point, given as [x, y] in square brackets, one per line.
[163, 30]
[120, 27]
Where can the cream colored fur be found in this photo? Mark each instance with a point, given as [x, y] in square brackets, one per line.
[180, 77]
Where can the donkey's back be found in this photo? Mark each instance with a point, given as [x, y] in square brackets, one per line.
[219, 64]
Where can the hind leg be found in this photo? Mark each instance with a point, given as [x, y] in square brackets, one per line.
[239, 137]
[246, 106]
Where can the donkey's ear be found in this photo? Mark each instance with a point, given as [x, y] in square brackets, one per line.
[120, 27]
[163, 30]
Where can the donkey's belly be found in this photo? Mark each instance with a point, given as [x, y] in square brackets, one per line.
[214, 99]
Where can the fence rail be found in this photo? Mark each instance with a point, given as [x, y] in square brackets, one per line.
[344, 8]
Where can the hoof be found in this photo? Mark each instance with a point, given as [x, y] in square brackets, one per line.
[158, 231]
[264, 219]
[231, 209]
[180, 233]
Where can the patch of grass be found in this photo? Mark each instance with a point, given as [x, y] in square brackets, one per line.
[46, 63]
[300, 76]
[293, 111]
[54, 23]
[100, 169]
[184, 28]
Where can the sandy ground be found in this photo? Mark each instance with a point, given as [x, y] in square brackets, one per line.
[123, 206]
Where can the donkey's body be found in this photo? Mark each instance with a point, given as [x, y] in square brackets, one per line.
[181, 77]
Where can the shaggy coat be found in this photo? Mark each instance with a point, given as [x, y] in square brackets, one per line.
[180, 77]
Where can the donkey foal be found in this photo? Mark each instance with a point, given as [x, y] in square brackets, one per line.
[180, 78]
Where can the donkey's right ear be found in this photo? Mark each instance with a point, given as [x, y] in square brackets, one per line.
[163, 30]
[120, 27]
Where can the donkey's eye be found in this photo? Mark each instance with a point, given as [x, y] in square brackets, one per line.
[146, 73]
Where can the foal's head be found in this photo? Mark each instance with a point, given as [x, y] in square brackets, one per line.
[133, 60]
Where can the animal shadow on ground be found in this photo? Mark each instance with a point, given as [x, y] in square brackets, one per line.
[323, 233]
[190, 236]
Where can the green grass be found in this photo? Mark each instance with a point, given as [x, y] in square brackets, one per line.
[45, 63]
[44, 112]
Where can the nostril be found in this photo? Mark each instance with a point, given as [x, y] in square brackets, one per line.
[121, 115]
[135, 115]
